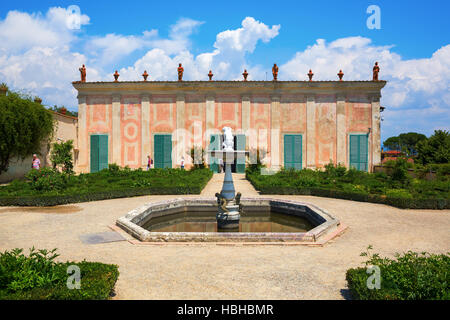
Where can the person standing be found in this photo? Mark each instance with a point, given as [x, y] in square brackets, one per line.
[36, 163]
[149, 162]
[182, 163]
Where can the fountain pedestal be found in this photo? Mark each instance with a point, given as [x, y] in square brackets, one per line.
[229, 210]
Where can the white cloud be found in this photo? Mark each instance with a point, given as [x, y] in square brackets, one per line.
[417, 92]
[21, 31]
[227, 60]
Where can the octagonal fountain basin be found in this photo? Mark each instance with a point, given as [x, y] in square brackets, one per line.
[262, 220]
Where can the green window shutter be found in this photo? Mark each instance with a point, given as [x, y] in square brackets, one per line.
[94, 153]
[163, 151]
[288, 156]
[354, 151]
[214, 144]
[240, 145]
[297, 152]
[167, 150]
[293, 151]
[159, 151]
[363, 152]
[359, 151]
[102, 152]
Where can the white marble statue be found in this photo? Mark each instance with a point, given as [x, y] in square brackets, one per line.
[228, 143]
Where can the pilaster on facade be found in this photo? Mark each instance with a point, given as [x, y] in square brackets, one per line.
[341, 130]
[375, 130]
[180, 131]
[83, 163]
[275, 154]
[245, 102]
[145, 127]
[311, 131]
[116, 132]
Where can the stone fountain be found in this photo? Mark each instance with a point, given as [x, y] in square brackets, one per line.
[229, 207]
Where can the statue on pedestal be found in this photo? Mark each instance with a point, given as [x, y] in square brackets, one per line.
[245, 74]
[376, 70]
[180, 72]
[275, 72]
[83, 73]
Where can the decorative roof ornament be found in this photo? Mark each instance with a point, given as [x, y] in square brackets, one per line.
[116, 76]
[245, 74]
[210, 75]
[145, 75]
[310, 75]
[83, 73]
[275, 72]
[180, 70]
[340, 75]
[376, 70]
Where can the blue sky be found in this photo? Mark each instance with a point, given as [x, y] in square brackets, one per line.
[39, 54]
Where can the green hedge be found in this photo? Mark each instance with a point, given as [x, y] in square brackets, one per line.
[38, 277]
[47, 188]
[351, 185]
[410, 276]
[403, 203]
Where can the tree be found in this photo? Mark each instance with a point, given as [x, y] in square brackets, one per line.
[61, 155]
[24, 127]
[435, 149]
[392, 143]
[406, 142]
[409, 141]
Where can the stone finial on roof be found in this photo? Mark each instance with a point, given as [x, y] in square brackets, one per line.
[376, 70]
[83, 73]
[310, 75]
[340, 75]
[145, 75]
[275, 72]
[245, 74]
[210, 75]
[116, 76]
[180, 70]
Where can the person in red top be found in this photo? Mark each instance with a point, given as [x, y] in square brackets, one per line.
[36, 164]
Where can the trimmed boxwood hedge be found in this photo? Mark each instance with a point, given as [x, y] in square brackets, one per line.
[403, 203]
[110, 183]
[38, 277]
[411, 276]
[286, 184]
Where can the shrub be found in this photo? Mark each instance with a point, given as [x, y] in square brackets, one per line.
[47, 187]
[411, 276]
[46, 179]
[39, 276]
[400, 171]
[61, 155]
[356, 185]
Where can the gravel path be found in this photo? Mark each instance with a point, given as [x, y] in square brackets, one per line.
[209, 271]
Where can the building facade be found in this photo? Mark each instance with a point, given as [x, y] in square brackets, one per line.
[300, 124]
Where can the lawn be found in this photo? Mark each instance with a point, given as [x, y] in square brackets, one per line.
[47, 187]
[398, 188]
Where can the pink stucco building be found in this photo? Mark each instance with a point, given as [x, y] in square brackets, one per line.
[301, 124]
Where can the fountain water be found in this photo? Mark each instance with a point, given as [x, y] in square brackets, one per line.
[229, 207]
